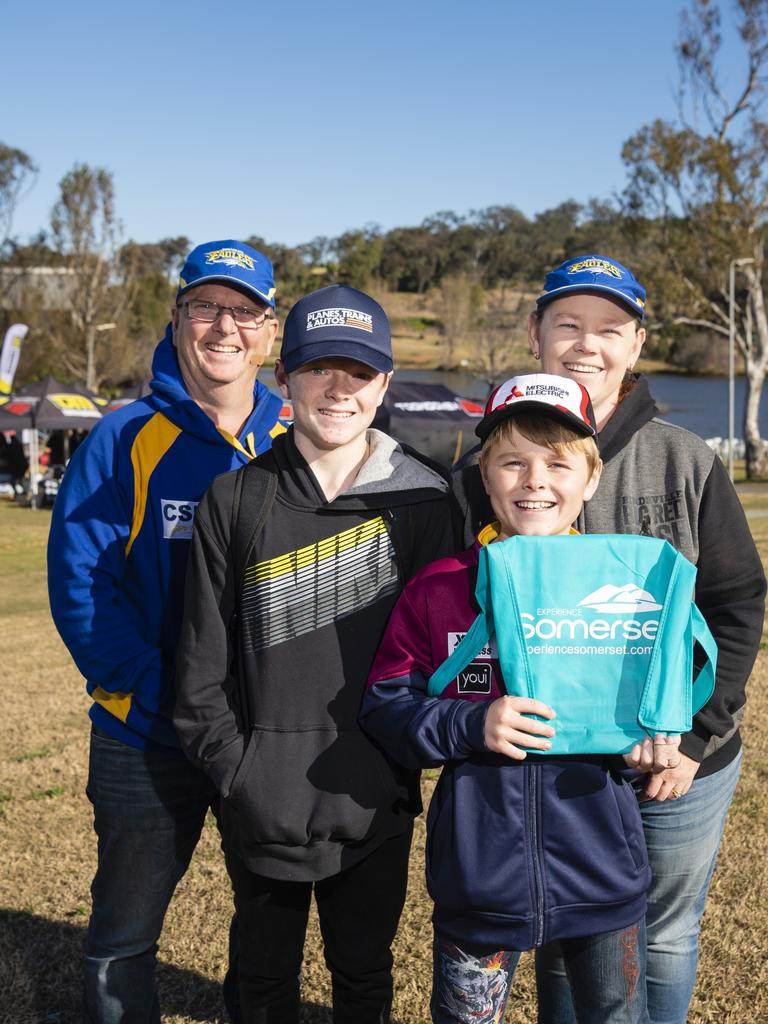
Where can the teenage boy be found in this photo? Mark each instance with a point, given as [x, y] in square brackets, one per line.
[117, 555]
[310, 802]
[521, 849]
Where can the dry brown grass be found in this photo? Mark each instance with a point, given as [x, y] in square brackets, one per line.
[47, 848]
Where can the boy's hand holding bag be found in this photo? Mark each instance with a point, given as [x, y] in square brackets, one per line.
[601, 628]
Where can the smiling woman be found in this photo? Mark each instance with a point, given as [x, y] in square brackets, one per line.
[591, 338]
[658, 480]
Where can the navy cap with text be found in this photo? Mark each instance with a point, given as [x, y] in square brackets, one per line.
[337, 321]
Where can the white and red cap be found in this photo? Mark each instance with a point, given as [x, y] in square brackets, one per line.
[559, 398]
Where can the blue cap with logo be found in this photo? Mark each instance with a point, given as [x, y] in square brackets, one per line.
[337, 321]
[232, 263]
[594, 273]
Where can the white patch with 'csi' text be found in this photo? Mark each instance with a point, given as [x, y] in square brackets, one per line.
[178, 516]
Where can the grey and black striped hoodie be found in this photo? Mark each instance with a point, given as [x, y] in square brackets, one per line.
[306, 792]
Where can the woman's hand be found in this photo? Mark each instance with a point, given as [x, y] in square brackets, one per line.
[655, 755]
[672, 783]
[666, 751]
[508, 727]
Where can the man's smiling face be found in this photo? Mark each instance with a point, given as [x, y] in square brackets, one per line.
[219, 353]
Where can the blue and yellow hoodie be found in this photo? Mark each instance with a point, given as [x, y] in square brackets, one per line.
[119, 543]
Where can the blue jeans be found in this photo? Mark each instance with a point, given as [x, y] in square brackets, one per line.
[606, 974]
[149, 810]
[683, 837]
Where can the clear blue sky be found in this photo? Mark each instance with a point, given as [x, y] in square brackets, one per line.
[297, 118]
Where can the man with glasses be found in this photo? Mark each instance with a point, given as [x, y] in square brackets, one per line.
[117, 554]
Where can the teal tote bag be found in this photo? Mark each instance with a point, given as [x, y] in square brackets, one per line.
[601, 628]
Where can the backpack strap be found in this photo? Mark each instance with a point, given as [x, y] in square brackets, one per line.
[254, 494]
[252, 499]
[663, 709]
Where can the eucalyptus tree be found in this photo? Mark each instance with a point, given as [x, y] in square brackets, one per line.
[703, 182]
[88, 235]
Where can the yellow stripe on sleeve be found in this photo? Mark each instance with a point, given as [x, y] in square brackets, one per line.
[152, 442]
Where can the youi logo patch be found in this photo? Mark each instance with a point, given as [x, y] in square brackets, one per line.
[475, 678]
[178, 517]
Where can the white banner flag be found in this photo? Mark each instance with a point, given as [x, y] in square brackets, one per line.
[9, 357]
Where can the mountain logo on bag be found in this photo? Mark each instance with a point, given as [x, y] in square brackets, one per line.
[629, 598]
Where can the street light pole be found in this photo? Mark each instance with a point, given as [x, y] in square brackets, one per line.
[731, 354]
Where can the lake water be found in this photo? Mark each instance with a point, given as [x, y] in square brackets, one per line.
[699, 404]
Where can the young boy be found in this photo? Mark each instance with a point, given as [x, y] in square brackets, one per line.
[522, 849]
[310, 806]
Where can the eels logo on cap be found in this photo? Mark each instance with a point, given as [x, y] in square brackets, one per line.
[230, 257]
[596, 266]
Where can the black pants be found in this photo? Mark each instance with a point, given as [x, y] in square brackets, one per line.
[359, 910]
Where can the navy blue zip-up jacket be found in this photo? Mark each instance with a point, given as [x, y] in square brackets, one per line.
[519, 853]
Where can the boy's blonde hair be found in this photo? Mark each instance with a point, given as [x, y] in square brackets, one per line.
[542, 430]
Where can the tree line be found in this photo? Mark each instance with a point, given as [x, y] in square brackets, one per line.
[690, 219]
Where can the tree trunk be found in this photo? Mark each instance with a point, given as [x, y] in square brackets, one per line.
[755, 361]
[756, 456]
[90, 351]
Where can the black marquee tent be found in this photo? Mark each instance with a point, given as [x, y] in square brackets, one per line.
[431, 418]
[126, 397]
[48, 405]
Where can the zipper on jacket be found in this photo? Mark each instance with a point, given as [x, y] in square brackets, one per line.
[536, 853]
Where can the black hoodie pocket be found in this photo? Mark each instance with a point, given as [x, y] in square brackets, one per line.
[296, 788]
[245, 765]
